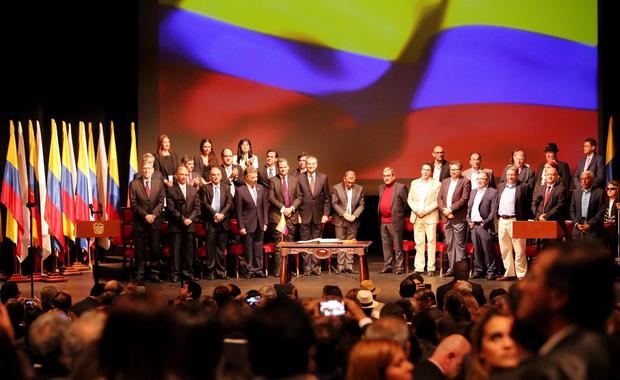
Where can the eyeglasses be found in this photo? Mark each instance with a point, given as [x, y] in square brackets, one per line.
[611, 188]
[438, 152]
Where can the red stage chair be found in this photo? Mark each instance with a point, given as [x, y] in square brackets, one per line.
[127, 245]
[235, 249]
[268, 249]
[408, 245]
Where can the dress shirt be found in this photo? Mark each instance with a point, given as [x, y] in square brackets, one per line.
[183, 190]
[475, 208]
[451, 189]
[610, 213]
[254, 194]
[271, 171]
[349, 200]
[507, 201]
[425, 188]
[474, 177]
[437, 171]
[585, 202]
[588, 161]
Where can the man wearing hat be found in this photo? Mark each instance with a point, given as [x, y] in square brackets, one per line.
[369, 305]
[370, 286]
[551, 157]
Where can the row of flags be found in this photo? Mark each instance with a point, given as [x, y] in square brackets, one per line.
[66, 194]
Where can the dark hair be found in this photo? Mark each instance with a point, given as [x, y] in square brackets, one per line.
[212, 158]
[194, 288]
[332, 290]
[9, 290]
[497, 292]
[221, 294]
[62, 301]
[97, 289]
[457, 163]
[454, 305]
[461, 270]
[407, 288]
[591, 141]
[240, 153]
[302, 154]
[392, 310]
[426, 294]
[274, 151]
[234, 290]
[280, 332]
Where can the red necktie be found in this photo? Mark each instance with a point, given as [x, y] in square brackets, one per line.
[547, 192]
[148, 188]
[287, 199]
[311, 179]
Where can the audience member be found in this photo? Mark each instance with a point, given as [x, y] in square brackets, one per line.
[377, 359]
[447, 360]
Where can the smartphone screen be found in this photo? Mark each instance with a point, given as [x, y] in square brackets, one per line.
[253, 301]
[331, 308]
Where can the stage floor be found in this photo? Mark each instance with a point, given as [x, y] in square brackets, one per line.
[308, 286]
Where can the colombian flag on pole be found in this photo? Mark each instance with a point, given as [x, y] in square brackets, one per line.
[102, 182]
[72, 165]
[92, 169]
[83, 194]
[23, 185]
[11, 195]
[67, 195]
[611, 151]
[33, 186]
[114, 190]
[53, 204]
[133, 159]
[39, 173]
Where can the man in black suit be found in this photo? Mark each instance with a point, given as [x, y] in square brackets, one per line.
[315, 209]
[570, 314]
[587, 209]
[513, 205]
[252, 205]
[441, 167]
[447, 360]
[549, 201]
[284, 200]
[391, 210]
[461, 273]
[426, 315]
[217, 204]
[551, 157]
[591, 161]
[183, 205]
[525, 174]
[146, 198]
[348, 204]
[232, 175]
[90, 302]
[270, 169]
[481, 211]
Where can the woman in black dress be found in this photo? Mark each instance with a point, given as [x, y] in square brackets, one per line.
[205, 160]
[166, 162]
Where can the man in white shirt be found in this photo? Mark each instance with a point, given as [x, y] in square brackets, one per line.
[270, 169]
[475, 161]
[481, 212]
[441, 167]
[422, 200]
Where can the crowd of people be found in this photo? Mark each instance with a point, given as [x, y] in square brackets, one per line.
[561, 322]
[239, 199]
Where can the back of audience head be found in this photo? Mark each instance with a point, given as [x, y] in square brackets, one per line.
[222, 294]
[377, 359]
[392, 310]
[450, 355]
[331, 292]
[280, 332]
[496, 293]
[47, 296]
[424, 299]
[455, 306]
[268, 293]
[234, 317]
[45, 337]
[408, 287]
[391, 328]
[9, 290]
[234, 290]
[114, 286]
[81, 339]
[62, 301]
[407, 307]
[97, 289]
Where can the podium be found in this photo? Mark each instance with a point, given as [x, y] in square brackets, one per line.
[536, 230]
[97, 229]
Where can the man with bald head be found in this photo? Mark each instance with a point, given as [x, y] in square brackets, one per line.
[232, 174]
[441, 167]
[348, 203]
[183, 205]
[446, 361]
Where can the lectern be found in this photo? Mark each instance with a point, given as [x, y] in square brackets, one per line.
[98, 229]
[536, 230]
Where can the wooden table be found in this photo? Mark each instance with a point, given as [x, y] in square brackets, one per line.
[323, 251]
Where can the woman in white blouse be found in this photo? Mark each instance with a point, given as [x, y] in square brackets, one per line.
[244, 157]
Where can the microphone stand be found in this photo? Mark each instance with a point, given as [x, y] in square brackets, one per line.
[96, 214]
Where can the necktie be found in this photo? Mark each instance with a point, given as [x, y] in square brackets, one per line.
[253, 193]
[547, 192]
[216, 198]
[311, 180]
[270, 172]
[287, 199]
[148, 188]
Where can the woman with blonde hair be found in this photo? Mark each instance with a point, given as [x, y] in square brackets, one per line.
[378, 359]
[166, 162]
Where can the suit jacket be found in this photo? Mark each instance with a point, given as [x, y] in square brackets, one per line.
[180, 208]
[526, 176]
[487, 208]
[276, 197]
[399, 205]
[459, 199]
[263, 175]
[166, 169]
[141, 205]
[467, 174]
[313, 207]
[430, 202]
[200, 168]
[556, 205]
[563, 172]
[596, 208]
[251, 216]
[445, 170]
[523, 200]
[476, 289]
[226, 204]
[597, 166]
[239, 181]
[339, 203]
[428, 371]
[88, 303]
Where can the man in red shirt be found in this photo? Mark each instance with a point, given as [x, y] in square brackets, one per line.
[392, 205]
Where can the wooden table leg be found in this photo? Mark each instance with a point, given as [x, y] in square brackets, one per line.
[284, 266]
[363, 266]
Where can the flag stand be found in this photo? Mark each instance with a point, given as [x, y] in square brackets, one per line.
[17, 277]
[69, 269]
[53, 276]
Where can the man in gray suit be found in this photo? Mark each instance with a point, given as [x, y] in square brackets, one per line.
[481, 211]
[587, 209]
[348, 204]
[452, 202]
[392, 207]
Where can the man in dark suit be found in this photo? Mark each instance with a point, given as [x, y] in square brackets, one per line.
[315, 209]
[569, 313]
[513, 205]
[481, 211]
[252, 205]
[348, 204]
[270, 169]
[461, 273]
[551, 157]
[525, 174]
[587, 209]
[284, 199]
[232, 175]
[90, 302]
[591, 161]
[146, 198]
[447, 360]
[549, 201]
[183, 205]
[392, 210]
[441, 167]
[452, 201]
[216, 204]
[301, 163]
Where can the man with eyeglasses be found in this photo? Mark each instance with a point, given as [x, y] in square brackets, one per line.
[590, 161]
[610, 218]
[587, 208]
[441, 167]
